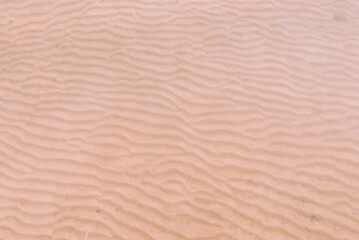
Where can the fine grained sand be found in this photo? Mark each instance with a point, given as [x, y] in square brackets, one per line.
[169, 120]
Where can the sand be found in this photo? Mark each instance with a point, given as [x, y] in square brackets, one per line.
[179, 119]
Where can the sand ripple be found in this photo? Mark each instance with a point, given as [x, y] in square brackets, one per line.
[171, 120]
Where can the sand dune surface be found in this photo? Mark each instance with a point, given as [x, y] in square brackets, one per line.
[179, 119]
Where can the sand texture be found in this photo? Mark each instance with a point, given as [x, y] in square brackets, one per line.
[179, 119]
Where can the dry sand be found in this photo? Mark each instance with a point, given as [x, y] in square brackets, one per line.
[170, 120]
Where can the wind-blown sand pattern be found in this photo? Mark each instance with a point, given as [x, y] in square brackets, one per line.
[170, 120]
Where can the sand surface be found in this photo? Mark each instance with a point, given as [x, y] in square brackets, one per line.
[181, 119]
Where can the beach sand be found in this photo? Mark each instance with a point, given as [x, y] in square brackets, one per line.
[179, 119]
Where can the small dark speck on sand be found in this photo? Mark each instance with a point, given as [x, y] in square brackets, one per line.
[314, 218]
[339, 17]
